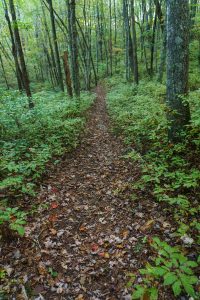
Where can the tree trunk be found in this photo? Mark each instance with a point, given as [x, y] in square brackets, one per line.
[177, 67]
[110, 38]
[89, 51]
[128, 43]
[25, 76]
[67, 74]
[53, 64]
[71, 5]
[14, 49]
[193, 11]
[134, 42]
[153, 44]
[3, 71]
[60, 77]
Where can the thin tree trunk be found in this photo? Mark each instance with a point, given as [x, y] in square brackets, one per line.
[56, 45]
[193, 11]
[127, 38]
[90, 52]
[67, 74]
[153, 44]
[71, 5]
[110, 42]
[115, 33]
[25, 76]
[4, 72]
[53, 65]
[134, 40]
[14, 49]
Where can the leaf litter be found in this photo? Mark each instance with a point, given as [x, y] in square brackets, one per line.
[88, 233]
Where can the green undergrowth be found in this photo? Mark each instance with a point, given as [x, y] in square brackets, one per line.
[170, 173]
[31, 138]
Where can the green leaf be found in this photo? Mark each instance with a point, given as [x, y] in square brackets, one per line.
[20, 230]
[160, 271]
[153, 293]
[140, 290]
[186, 270]
[187, 282]
[192, 279]
[170, 278]
[191, 264]
[176, 287]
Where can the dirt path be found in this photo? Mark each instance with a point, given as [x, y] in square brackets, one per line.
[87, 236]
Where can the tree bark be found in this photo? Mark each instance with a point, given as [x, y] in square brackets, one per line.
[14, 49]
[177, 67]
[4, 72]
[134, 42]
[24, 71]
[71, 5]
[67, 74]
[60, 77]
[193, 11]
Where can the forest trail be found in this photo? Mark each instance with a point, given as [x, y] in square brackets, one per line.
[82, 247]
[95, 219]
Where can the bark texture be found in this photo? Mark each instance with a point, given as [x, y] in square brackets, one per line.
[67, 74]
[71, 5]
[54, 34]
[177, 66]
[20, 52]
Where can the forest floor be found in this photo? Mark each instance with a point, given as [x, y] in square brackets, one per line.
[87, 233]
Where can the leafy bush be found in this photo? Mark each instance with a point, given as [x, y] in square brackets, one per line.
[170, 266]
[169, 172]
[14, 219]
[30, 138]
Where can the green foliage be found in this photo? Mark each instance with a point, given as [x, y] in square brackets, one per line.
[139, 112]
[30, 138]
[53, 273]
[169, 266]
[14, 218]
[170, 172]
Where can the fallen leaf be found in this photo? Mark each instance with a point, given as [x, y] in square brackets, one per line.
[125, 234]
[54, 205]
[53, 231]
[166, 225]
[147, 225]
[120, 246]
[59, 290]
[80, 297]
[42, 269]
[53, 218]
[104, 254]
[54, 190]
[82, 228]
[107, 255]
[83, 279]
[8, 270]
[94, 248]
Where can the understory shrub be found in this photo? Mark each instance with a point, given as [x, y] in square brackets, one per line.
[170, 173]
[30, 138]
